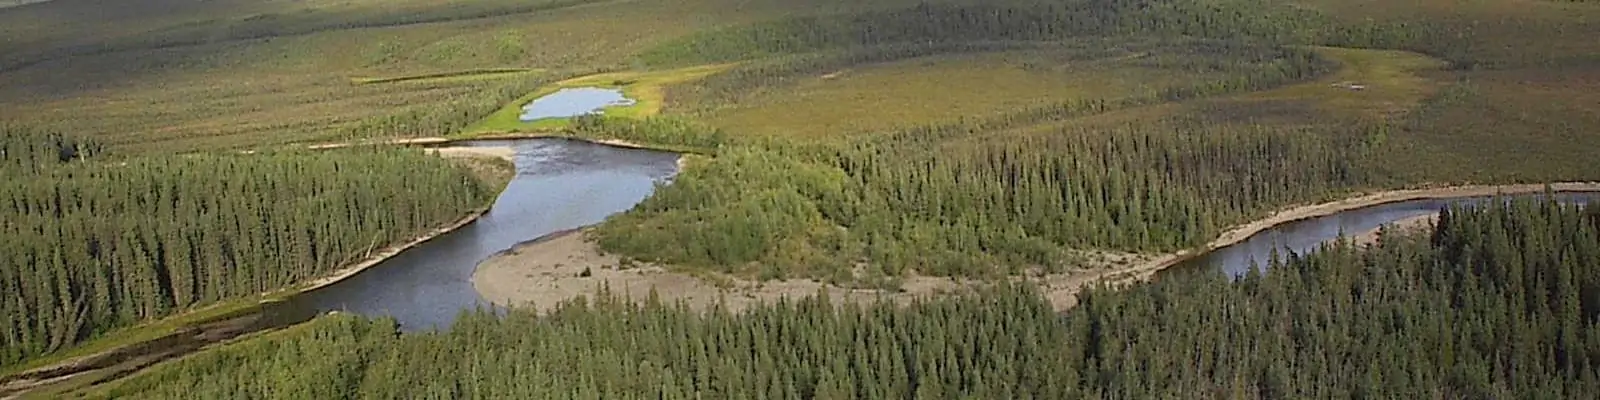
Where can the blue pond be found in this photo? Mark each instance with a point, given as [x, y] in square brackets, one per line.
[572, 102]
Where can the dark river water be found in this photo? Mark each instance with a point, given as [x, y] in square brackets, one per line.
[560, 184]
[1304, 236]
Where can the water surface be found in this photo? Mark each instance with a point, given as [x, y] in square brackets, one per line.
[1304, 236]
[560, 184]
[572, 102]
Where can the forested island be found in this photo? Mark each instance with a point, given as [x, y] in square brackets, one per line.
[1006, 176]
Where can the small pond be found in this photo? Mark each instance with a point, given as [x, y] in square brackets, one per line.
[572, 102]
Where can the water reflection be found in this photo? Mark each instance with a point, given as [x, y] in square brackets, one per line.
[572, 102]
[560, 184]
[1304, 236]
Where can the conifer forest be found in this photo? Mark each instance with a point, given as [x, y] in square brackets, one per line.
[1019, 189]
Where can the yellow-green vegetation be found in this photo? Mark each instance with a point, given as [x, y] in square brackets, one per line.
[166, 75]
[646, 88]
[879, 97]
[1369, 84]
[452, 76]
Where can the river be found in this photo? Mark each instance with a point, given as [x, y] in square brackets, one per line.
[560, 184]
[1305, 235]
[565, 184]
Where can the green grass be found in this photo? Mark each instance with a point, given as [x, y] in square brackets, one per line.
[1391, 83]
[452, 76]
[879, 97]
[297, 88]
[646, 88]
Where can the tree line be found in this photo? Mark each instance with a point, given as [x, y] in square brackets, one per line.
[975, 206]
[1496, 302]
[948, 199]
[1460, 39]
[948, 23]
[778, 74]
[88, 246]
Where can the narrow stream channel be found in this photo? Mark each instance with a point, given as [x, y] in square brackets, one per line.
[1304, 236]
[560, 184]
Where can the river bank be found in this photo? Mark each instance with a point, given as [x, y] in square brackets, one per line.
[1403, 226]
[1145, 270]
[501, 152]
[550, 270]
[136, 347]
[567, 265]
[373, 259]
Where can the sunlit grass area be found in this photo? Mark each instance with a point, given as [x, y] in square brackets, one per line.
[646, 88]
[1368, 84]
[451, 76]
[884, 96]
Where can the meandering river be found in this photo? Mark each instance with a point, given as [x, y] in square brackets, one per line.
[565, 184]
[1305, 235]
[560, 184]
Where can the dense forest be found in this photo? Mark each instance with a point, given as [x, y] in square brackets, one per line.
[90, 245]
[983, 195]
[1229, 120]
[1496, 302]
[963, 208]
[947, 199]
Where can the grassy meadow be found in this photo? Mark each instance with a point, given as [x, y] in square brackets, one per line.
[646, 88]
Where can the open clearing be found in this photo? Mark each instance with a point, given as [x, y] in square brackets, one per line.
[646, 88]
[1368, 84]
[877, 97]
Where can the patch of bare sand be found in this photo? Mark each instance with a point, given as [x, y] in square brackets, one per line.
[421, 141]
[1144, 270]
[547, 271]
[1406, 225]
[504, 153]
